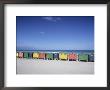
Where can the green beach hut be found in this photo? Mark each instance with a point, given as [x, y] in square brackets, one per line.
[26, 55]
[49, 56]
[83, 57]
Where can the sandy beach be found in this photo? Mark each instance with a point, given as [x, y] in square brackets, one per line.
[39, 66]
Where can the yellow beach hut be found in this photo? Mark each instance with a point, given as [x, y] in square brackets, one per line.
[17, 54]
[35, 55]
[63, 56]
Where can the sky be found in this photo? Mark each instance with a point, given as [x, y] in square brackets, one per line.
[55, 32]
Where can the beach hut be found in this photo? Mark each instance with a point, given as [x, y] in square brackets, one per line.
[49, 56]
[20, 54]
[41, 55]
[83, 57]
[26, 55]
[35, 55]
[17, 54]
[72, 57]
[91, 58]
[63, 56]
[30, 55]
[56, 56]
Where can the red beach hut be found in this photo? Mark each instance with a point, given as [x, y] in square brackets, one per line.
[41, 55]
[72, 57]
[20, 54]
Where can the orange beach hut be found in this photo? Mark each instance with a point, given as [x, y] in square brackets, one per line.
[41, 55]
[72, 57]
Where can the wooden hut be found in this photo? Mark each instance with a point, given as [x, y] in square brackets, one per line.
[49, 56]
[91, 58]
[63, 56]
[56, 56]
[20, 54]
[35, 55]
[83, 57]
[26, 55]
[72, 57]
[41, 55]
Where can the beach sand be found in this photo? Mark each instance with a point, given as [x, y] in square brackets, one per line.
[39, 66]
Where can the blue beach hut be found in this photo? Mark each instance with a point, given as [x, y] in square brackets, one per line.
[56, 56]
[91, 58]
[30, 55]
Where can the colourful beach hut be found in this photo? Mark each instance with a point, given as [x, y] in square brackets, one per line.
[35, 55]
[41, 55]
[26, 55]
[17, 54]
[30, 55]
[63, 56]
[20, 54]
[56, 56]
[83, 57]
[91, 58]
[72, 57]
[49, 56]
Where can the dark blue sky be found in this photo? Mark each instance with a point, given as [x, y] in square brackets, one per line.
[55, 32]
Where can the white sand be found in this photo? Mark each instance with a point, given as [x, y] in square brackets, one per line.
[35, 66]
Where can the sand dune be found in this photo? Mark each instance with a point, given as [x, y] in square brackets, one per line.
[35, 66]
